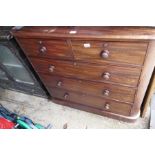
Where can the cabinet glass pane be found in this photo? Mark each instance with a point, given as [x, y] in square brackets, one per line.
[3, 75]
[14, 66]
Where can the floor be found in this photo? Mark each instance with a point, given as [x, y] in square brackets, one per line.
[43, 111]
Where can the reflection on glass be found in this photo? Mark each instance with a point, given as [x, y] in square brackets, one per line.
[3, 75]
[14, 66]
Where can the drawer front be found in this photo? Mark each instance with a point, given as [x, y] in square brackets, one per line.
[119, 52]
[107, 73]
[46, 48]
[95, 102]
[109, 91]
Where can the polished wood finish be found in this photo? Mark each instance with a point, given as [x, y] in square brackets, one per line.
[95, 102]
[109, 33]
[104, 70]
[148, 95]
[103, 90]
[116, 74]
[120, 52]
[47, 48]
[145, 77]
[96, 110]
[91, 51]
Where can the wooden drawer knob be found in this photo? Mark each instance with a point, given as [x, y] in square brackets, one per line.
[43, 50]
[59, 83]
[105, 54]
[106, 92]
[107, 106]
[66, 95]
[106, 76]
[51, 68]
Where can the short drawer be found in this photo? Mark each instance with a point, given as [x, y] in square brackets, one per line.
[102, 73]
[114, 92]
[46, 48]
[119, 52]
[95, 102]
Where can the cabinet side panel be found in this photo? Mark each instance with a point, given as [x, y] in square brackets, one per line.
[145, 78]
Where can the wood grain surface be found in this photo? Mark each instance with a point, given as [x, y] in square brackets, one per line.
[87, 32]
[104, 70]
[95, 102]
[121, 75]
[109, 91]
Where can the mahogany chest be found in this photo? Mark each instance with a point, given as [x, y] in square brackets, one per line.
[104, 70]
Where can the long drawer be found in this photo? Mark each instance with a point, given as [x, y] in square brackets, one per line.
[121, 93]
[119, 52]
[95, 102]
[47, 48]
[102, 73]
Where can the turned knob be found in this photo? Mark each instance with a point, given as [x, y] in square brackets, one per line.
[106, 76]
[106, 92]
[51, 68]
[59, 83]
[107, 106]
[105, 54]
[66, 95]
[43, 50]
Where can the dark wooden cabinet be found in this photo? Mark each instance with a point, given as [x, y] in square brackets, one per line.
[104, 70]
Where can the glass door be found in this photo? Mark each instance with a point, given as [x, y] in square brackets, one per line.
[14, 67]
[3, 75]
[16, 73]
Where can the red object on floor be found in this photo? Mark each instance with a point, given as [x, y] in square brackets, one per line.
[6, 124]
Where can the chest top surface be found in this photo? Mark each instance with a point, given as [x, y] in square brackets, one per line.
[86, 32]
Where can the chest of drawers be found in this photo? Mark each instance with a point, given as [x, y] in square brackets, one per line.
[104, 70]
